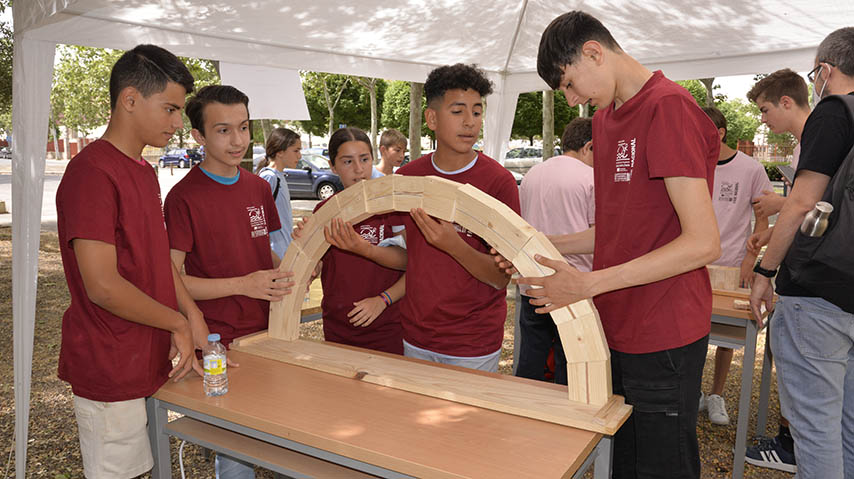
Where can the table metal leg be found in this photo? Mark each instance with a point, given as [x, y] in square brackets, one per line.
[765, 384]
[602, 466]
[516, 333]
[744, 399]
[157, 418]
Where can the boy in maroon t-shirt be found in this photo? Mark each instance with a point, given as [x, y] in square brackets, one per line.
[654, 157]
[454, 309]
[219, 218]
[125, 293]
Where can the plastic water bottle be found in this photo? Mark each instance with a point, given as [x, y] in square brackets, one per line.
[216, 377]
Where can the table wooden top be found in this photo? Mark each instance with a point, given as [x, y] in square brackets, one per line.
[398, 430]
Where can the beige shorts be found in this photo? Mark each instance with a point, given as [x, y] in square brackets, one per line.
[113, 438]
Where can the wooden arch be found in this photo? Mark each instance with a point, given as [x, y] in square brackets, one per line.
[591, 404]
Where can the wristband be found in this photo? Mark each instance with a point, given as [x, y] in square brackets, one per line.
[768, 273]
[386, 298]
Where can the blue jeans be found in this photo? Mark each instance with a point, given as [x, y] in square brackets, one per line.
[813, 346]
[488, 363]
[227, 467]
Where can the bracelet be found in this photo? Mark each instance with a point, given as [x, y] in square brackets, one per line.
[386, 298]
[768, 273]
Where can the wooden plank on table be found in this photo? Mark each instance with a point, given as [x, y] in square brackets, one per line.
[230, 441]
[410, 433]
[724, 277]
[454, 384]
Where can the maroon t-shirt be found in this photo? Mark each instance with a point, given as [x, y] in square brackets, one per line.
[347, 278]
[447, 310]
[660, 132]
[224, 229]
[107, 196]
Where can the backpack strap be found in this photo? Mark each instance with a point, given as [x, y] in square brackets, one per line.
[276, 190]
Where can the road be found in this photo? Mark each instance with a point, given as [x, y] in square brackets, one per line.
[168, 177]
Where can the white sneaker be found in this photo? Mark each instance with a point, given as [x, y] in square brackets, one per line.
[702, 406]
[717, 410]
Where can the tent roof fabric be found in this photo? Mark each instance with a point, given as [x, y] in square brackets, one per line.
[404, 40]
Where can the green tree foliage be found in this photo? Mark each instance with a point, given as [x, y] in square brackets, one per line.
[395, 109]
[742, 120]
[697, 90]
[80, 99]
[528, 120]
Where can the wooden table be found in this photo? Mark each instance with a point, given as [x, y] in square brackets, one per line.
[735, 328]
[373, 429]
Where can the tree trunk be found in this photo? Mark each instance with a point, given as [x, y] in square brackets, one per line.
[53, 130]
[267, 128]
[66, 154]
[374, 119]
[416, 91]
[548, 124]
[710, 97]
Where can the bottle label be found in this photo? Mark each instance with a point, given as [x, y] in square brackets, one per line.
[214, 364]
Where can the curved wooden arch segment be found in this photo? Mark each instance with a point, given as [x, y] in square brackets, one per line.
[591, 403]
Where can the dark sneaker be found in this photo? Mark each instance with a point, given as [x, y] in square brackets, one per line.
[770, 453]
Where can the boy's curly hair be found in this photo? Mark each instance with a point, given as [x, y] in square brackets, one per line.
[456, 77]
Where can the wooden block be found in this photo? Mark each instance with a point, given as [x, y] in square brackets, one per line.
[440, 197]
[595, 344]
[576, 379]
[580, 308]
[379, 195]
[599, 382]
[501, 222]
[285, 314]
[408, 192]
[724, 277]
[487, 390]
[572, 338]
[351, 201]
[741, 304]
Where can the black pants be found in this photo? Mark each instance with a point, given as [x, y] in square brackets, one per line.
[538, 333]
[660, 437]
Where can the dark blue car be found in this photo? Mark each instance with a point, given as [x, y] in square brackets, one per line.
[312, 178]
[181, 157]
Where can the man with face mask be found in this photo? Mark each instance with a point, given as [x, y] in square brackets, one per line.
[813, 334]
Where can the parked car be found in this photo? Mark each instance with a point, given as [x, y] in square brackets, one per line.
[516, 176]
[528, 152]
[181, 157]
[317, 150]
[312, 178]
[5, 153]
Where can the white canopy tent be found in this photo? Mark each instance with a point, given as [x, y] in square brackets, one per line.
[401, 40]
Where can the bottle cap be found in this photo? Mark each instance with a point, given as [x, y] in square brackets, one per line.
[213, 337]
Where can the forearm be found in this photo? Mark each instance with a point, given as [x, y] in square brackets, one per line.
[213, 288]
[186, 305]
[683, 254]
[121, 298]
[480, 265]
[398, 289]
[576, 243]
[393, 257]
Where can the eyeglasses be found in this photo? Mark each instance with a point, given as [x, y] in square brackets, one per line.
[811, 75]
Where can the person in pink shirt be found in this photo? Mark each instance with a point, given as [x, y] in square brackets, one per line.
[738, 179]
[556, 198]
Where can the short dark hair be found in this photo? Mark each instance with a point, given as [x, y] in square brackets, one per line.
[392, 137]
[225, 94]
[343, 135]
[576, 134]
[781, 83]
[718, 119]
[562, 41]
[455, 77]
[838, 50]
[148, 68]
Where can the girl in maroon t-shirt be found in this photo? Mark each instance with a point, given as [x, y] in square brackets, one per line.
[361, 277]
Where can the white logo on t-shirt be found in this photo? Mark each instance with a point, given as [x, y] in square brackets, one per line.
[257, 221]
[372, 234]
[625, 160]
[728, 192]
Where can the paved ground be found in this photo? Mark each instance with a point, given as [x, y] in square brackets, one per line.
[53, 174]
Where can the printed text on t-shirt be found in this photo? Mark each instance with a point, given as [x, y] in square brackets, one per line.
[625, 160]
[257, 221]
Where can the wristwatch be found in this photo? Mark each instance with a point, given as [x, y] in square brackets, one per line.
[768, 273]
